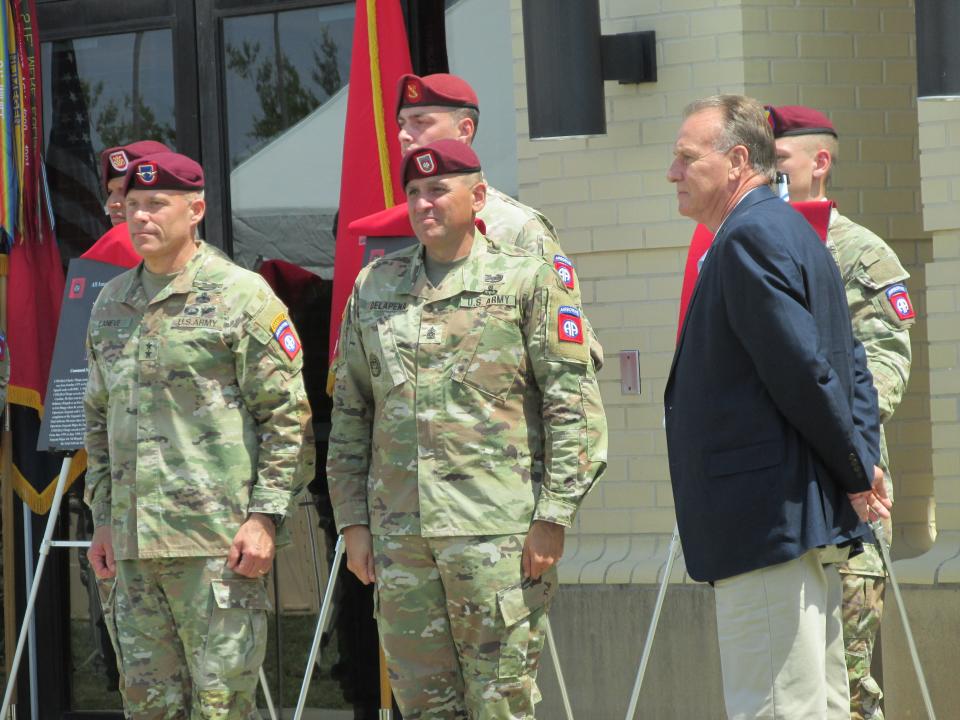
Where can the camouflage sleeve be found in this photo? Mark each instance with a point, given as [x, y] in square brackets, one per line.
[348, 457]
[574, 425]
[97, 489]
[882, 314]
[539, 233]
[269, 363]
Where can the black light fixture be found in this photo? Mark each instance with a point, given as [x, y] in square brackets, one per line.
[938, 52]
[567, 60]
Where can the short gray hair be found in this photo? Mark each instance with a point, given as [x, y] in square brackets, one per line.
[744, 123]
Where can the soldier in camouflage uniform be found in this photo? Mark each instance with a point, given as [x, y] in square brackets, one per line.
[198, 441]
[881, 313]
[467, 428]
[442, 106]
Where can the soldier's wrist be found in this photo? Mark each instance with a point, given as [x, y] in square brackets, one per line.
[276, 518]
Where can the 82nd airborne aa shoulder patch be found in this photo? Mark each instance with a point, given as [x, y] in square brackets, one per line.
[284, 335]
[900, 301]
[569, 325]
[564, 269]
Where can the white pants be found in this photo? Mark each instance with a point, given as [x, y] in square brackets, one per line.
[781, 642]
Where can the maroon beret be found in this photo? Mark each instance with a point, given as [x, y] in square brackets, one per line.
[439, 89]
[443, 157]
[115, 161]
[164, 171]
[788, 120]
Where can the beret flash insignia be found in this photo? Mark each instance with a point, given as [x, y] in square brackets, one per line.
[118, 160]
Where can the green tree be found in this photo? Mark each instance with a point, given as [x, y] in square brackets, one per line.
[119, 123]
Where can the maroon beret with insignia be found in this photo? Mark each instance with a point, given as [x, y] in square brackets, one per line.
[443, 157]
[115, 161]
[788, 120]
[438, 89]
[164, 171]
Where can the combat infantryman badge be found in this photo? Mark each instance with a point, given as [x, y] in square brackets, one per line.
[565, 269]
[569, 325]
[900, 301]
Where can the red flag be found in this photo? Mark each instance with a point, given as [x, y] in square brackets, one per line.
[34, 293]
[370, 180]
[35, 286]
[114, 248]
[816, 212]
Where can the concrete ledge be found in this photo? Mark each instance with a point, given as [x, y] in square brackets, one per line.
[619, 559]
[641, 559]
[600, 632]
[940, 564]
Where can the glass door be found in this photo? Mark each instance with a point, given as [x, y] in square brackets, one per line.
[112, 73]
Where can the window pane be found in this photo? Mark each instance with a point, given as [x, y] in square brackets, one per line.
[100, 92]
[286, 77]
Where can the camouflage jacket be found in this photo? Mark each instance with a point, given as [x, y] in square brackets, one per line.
[510, 222]
[196, 410]
[469, 409]
[881, 314]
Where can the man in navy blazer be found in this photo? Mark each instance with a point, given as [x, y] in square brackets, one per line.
[771, 420]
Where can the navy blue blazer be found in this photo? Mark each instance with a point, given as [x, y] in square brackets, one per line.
[771, 414]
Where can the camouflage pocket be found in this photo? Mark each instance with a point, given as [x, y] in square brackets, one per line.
[237, 634]
[522, 608]
[492, 369]
[383, 357]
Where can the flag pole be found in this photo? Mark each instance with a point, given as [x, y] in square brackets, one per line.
[6, 501]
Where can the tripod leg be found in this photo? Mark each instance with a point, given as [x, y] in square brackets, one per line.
[648, 644]
[267, 695]
[885, 551]
[35, 586]
[321, 624]
[556, 667]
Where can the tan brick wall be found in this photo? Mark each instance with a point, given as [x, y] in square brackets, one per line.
[856, 61]
[617, 217]
[939, 135]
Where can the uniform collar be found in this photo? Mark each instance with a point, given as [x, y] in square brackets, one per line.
[133, 293]
[467, 277]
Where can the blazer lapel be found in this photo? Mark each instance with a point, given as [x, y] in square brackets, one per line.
[759, 195]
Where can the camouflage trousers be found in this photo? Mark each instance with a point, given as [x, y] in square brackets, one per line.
[191, 637]
[461, 629]
[862, 610]
[105, 590]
